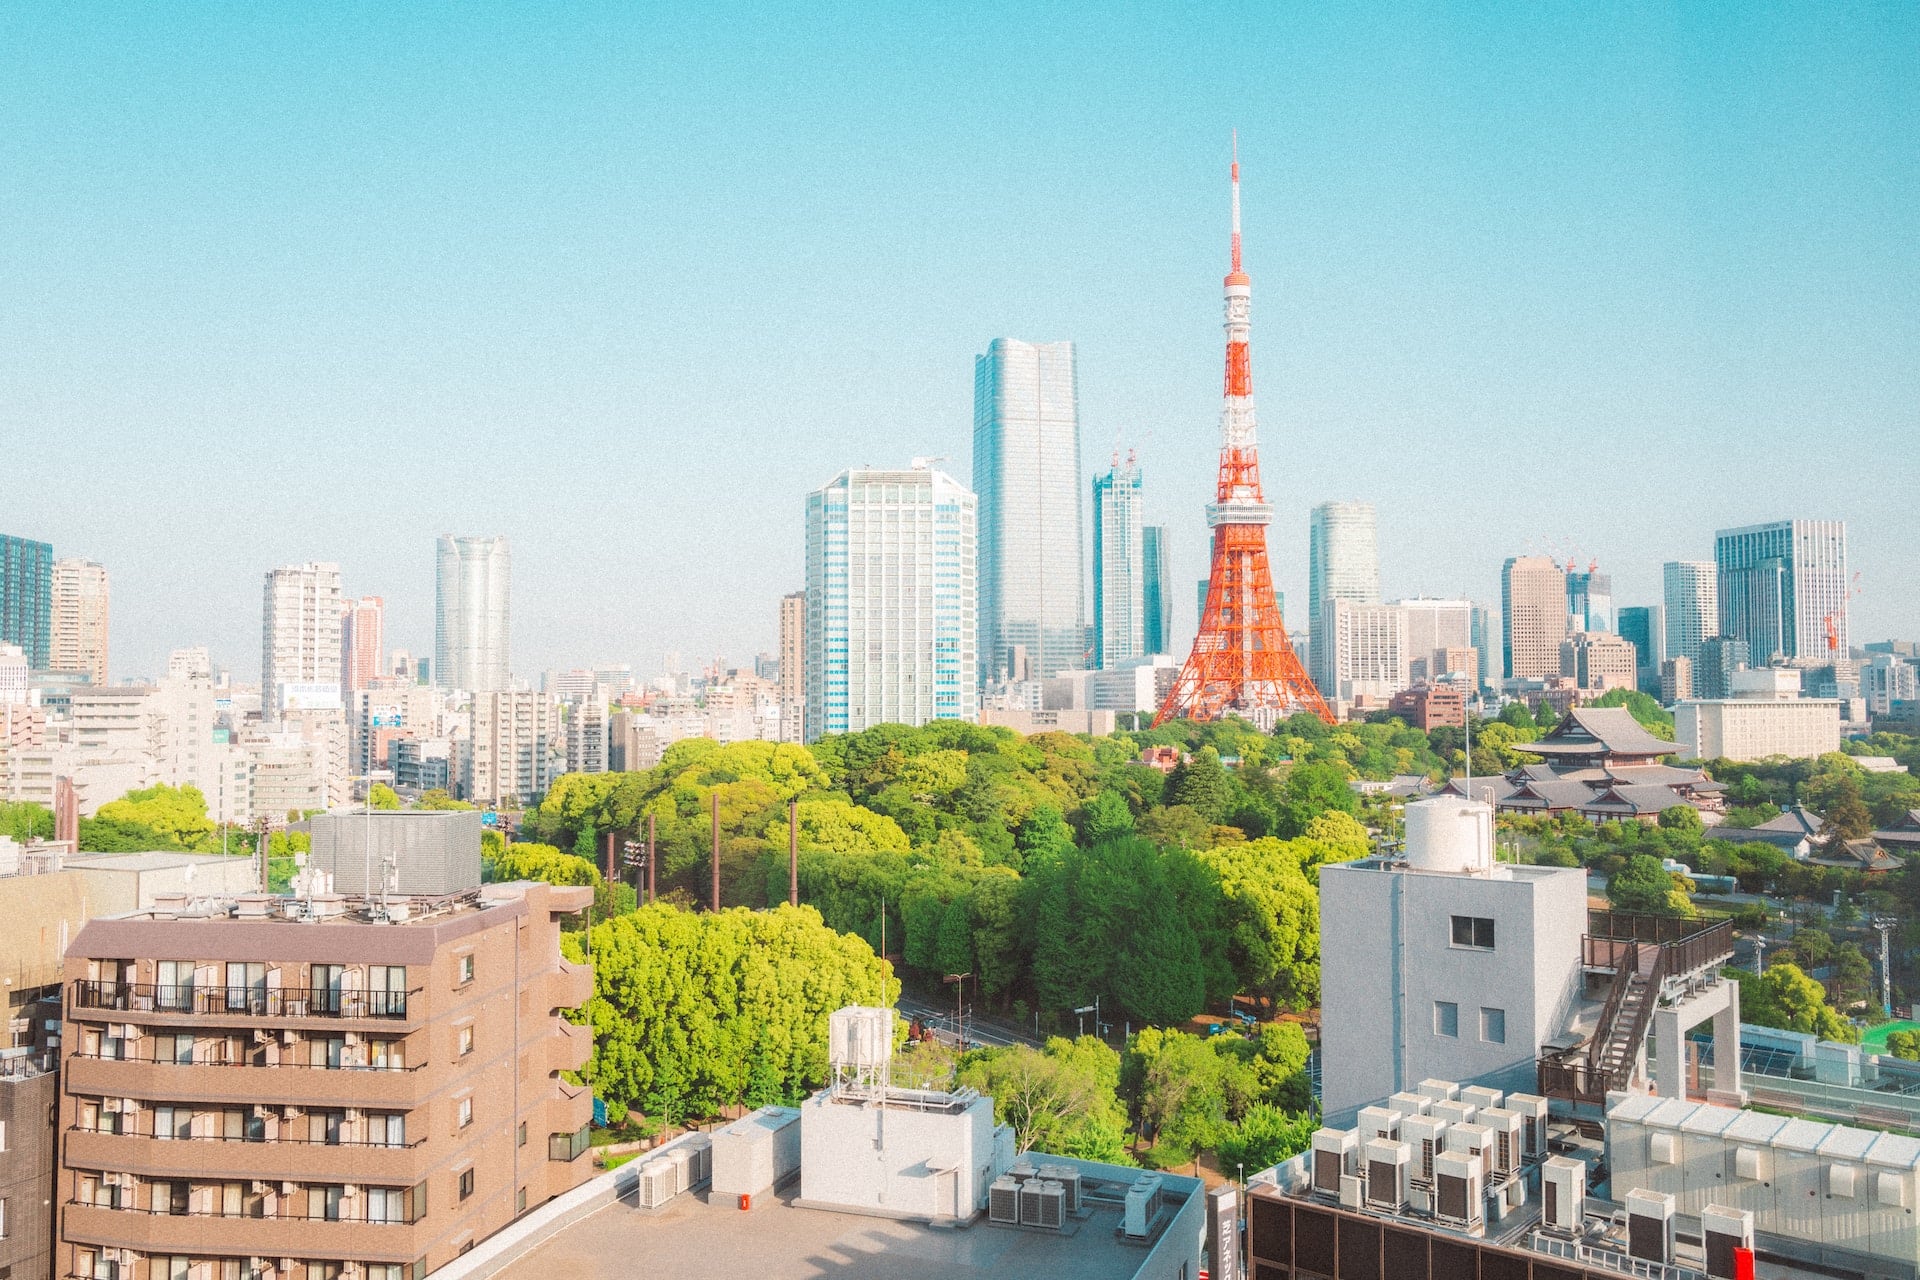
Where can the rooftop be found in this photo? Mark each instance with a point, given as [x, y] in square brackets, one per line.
[1592, 731]
[692, 1238]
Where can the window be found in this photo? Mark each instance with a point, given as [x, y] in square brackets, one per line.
[1493, 1026]
[170, 1198]
[171, 1268]
[3, 1212]
[387, 990]
[387, 1130]
[325, 1127]
[1473, 931]
[464, 1113]
[173, 985]
[325, 1202]
[387, 1204]
[172, 1122]
[521, 1139]
[466, 1183]
[466, 1041]
[328, 982]
[1446, 1018]
[246, 987]
[329, 1051]
[465, 971]
[177, 1049]
[387, 1055]
[519, 1201]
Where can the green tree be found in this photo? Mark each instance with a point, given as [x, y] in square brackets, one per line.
[830, 822]
[1265, 1136]
[1813, 946]
[1106, 817]
[1272, 921]
[1200, 782]
[177, 813]
[23, 820]
[1785, 997]
[1517, 715]
[1313, 789]
[1643, 885]
[440, 798]
[1062, 1099]
[382, 796]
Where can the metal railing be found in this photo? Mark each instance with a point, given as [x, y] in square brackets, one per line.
[282, 1214]
[259, 1142]
[1607, 1259]
[239, 1002]
[158, 1060]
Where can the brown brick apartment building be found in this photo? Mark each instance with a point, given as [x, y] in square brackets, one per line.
[272, 1089]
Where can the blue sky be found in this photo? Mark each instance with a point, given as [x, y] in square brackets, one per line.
[623, 282]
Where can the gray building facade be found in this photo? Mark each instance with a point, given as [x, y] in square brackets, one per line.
[433, 852]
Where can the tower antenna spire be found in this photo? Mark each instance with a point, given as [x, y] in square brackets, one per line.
[1236, 202]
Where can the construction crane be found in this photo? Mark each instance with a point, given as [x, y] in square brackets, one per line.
[1831, 620]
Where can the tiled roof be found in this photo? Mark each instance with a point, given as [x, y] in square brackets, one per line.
[1597, 731]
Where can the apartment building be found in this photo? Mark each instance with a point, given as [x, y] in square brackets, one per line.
[315, 1087]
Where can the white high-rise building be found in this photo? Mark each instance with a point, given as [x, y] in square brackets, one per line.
[80, 618]
[1343, 563]
[1119, 568]
[1693, 606]
[1783, 589]
[515, 750]
[1366, 652]
[585, 720]
[300, 639]
[1026, 470]
[891, 583]
[471, 614]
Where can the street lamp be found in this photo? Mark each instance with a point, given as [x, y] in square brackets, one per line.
[1082, 1013]
[959, 981]
[370, 777]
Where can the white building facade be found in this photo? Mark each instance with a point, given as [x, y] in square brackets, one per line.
[1119, 567]
[891, 588]
[1783, 589]
[300, 638]
[1693, 606]
[472, 613]
[1343, 563]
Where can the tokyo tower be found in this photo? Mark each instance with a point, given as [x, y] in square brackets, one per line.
[1241, 662]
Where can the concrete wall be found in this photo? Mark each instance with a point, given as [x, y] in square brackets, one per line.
[1387, 957]
[437, 852]
[132, 881]
[42, 915]
[895, 1160]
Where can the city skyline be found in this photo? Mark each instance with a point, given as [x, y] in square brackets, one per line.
[1616, 232]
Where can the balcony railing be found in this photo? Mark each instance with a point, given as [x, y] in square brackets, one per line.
[256, 1142]
[240, 1002]
[164, 1060]
[569, 1146]
[283, 1214]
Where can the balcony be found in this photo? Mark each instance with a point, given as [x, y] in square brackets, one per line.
[571, 1046]
[224, 1159]
[146, 1001]
[572, 986]
[290, 1084]
[202, 1233]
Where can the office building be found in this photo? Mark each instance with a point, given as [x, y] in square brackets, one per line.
[1533, 604]
[80, 615]
[472, 613]
[300, 639]
[1589, 600]
[1439, 639]
[890, 627]
[793, 666]
[1783, 589]
[362, 638]
[1598, 662]
[16, 676]
[1119, 567]
[366, 1092]
[1713, 667]
[516, 750]
[1366, 650]
[1885, 678]
[1644, 627]
[1676, 680]
[1343, 563]
[385, 710]
[1762, 715]
[421, 764]
[1156, 595]
[585, 722]
[1486, 643]
[1026, 471]
[290, 774]
[26, 598]
[1431, 706]
[1482, 963]
[1693, 605]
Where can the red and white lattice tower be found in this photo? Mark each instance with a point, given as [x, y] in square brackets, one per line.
[1241, 662]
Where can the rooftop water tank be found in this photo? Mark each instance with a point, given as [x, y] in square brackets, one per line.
[1450, 833]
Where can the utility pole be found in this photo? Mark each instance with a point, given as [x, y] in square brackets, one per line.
[716, 848]
[652, 861]
[611, 875]
[959, 981]
[793, 853]
[1885, 925]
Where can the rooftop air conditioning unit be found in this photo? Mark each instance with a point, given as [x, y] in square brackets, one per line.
[1427, 1137]
[1389, 1164]
[1455, 1112]
[1438, 1090]
[1353, 1191]
[1379, 1122]
[701, 1167]
[1409, 1104]
[656, 1184]
[1022, 1169]
[1650, 1226]
[1724, 1230]
[1068, 1176]
[1003, 1200]
[1505, 1141]
[1050, 1201]
[1457, 1196]
[1481, 1096]
[1336, 1152]
[1533, 1127]
[1142, 1206]
[680, 1160]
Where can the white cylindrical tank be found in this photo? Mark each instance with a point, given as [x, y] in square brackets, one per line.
[1449, 833]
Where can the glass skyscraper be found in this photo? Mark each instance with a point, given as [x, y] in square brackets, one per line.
[26, 597]
[1156, 602]
[1343, 563]
[1693, 606]
[1783, 588]
[891, 626]
[1119, 568]
[1590, 601]
[1026, 471]
[472, 614]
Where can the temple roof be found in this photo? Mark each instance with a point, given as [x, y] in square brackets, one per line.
[1592, 732]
